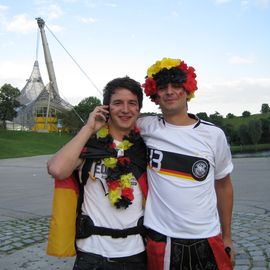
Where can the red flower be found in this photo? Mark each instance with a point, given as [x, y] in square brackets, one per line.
[150, 87]
[128, 193]
[190, 84]
[112, 146]
[113, 184]
[123, 160]
[136, 129]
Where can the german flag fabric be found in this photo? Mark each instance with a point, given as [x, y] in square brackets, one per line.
[61, 239]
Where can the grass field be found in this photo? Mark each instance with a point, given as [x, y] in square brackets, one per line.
[24, 144]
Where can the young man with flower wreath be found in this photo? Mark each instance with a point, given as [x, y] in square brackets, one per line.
[190, 199]
[111, 157]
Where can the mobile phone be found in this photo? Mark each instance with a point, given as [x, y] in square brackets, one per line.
[107, 115]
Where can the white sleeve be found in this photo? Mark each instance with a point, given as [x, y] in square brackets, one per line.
[223, 157]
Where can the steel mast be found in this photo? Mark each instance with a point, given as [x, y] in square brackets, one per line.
[47, 55]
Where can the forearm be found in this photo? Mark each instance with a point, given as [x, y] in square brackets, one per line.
[224, 191]
[62, 164]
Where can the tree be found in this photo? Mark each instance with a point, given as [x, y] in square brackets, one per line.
[230, 116]
[8, 103]
[265, 108]
[243, 134]
[73, 120]
[231, 134]
[246, 114]
[255, 130]
[203, 116]
[265, 130]
[86, 106]
[216, 118]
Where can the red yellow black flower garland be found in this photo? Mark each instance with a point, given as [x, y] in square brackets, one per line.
[119, 173]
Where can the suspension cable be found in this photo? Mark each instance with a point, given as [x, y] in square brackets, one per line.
[74, 61]
[37, 45]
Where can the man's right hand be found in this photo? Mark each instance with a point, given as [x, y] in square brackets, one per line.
[98, 118]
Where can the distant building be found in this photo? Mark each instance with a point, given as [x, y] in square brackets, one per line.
[42, 106]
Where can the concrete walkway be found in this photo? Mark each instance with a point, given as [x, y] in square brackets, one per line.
[25, 207]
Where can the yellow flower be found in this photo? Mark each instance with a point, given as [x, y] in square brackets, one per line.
[125, 180]
[103, 132]
[164, 63]
[115, 195]
[125, 144]
[110, 162]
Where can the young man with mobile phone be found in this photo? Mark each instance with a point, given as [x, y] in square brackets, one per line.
[110, 156]
[189, 204]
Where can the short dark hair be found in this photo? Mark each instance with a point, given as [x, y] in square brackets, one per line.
[125, 82]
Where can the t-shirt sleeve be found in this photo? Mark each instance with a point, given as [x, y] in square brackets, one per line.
[223, 157]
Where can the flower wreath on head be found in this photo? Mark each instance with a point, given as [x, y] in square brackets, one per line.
[119, 173]
[150, 85]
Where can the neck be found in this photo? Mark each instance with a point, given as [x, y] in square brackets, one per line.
[118, 134]
[181, 119]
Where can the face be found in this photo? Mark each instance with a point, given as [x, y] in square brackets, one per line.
[124, 110]
[171, 98]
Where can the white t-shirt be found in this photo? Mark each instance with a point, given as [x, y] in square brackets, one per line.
[184, 162]
[97, 206]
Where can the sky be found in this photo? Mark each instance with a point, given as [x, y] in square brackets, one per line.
[226, 41]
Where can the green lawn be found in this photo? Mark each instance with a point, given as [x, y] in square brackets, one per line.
[24, 144]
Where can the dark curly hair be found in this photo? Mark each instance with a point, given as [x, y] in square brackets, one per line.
[125, 82]
[173, 75]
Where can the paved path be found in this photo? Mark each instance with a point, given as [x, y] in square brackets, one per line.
[25, 206]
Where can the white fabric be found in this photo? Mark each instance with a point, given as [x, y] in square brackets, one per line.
[178, 206]
[97, 205]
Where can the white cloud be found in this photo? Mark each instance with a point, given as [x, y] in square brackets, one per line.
[7, 44]
[244, 4]
[20, 24]
[221, 2]
[263, 3]
[3, 20]
[88, 20]
[232, 96]
[110, 5]
[238, 60]
[56, 28]
[70, 1]
[175, 14]
[14, 73]
[50, 11]
[3, 8]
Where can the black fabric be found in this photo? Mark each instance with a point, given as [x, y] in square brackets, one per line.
[178, 164]
[85, 227]
[192, 254]
[91, 261]
[156, 236]
[96, 149]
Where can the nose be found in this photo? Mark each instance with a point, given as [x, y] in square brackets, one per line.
[169, 89]
[125, 107]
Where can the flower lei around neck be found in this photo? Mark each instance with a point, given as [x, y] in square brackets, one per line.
[119, 173]
[150, 86]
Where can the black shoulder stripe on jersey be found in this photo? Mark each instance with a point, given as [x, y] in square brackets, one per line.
[208, 123]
